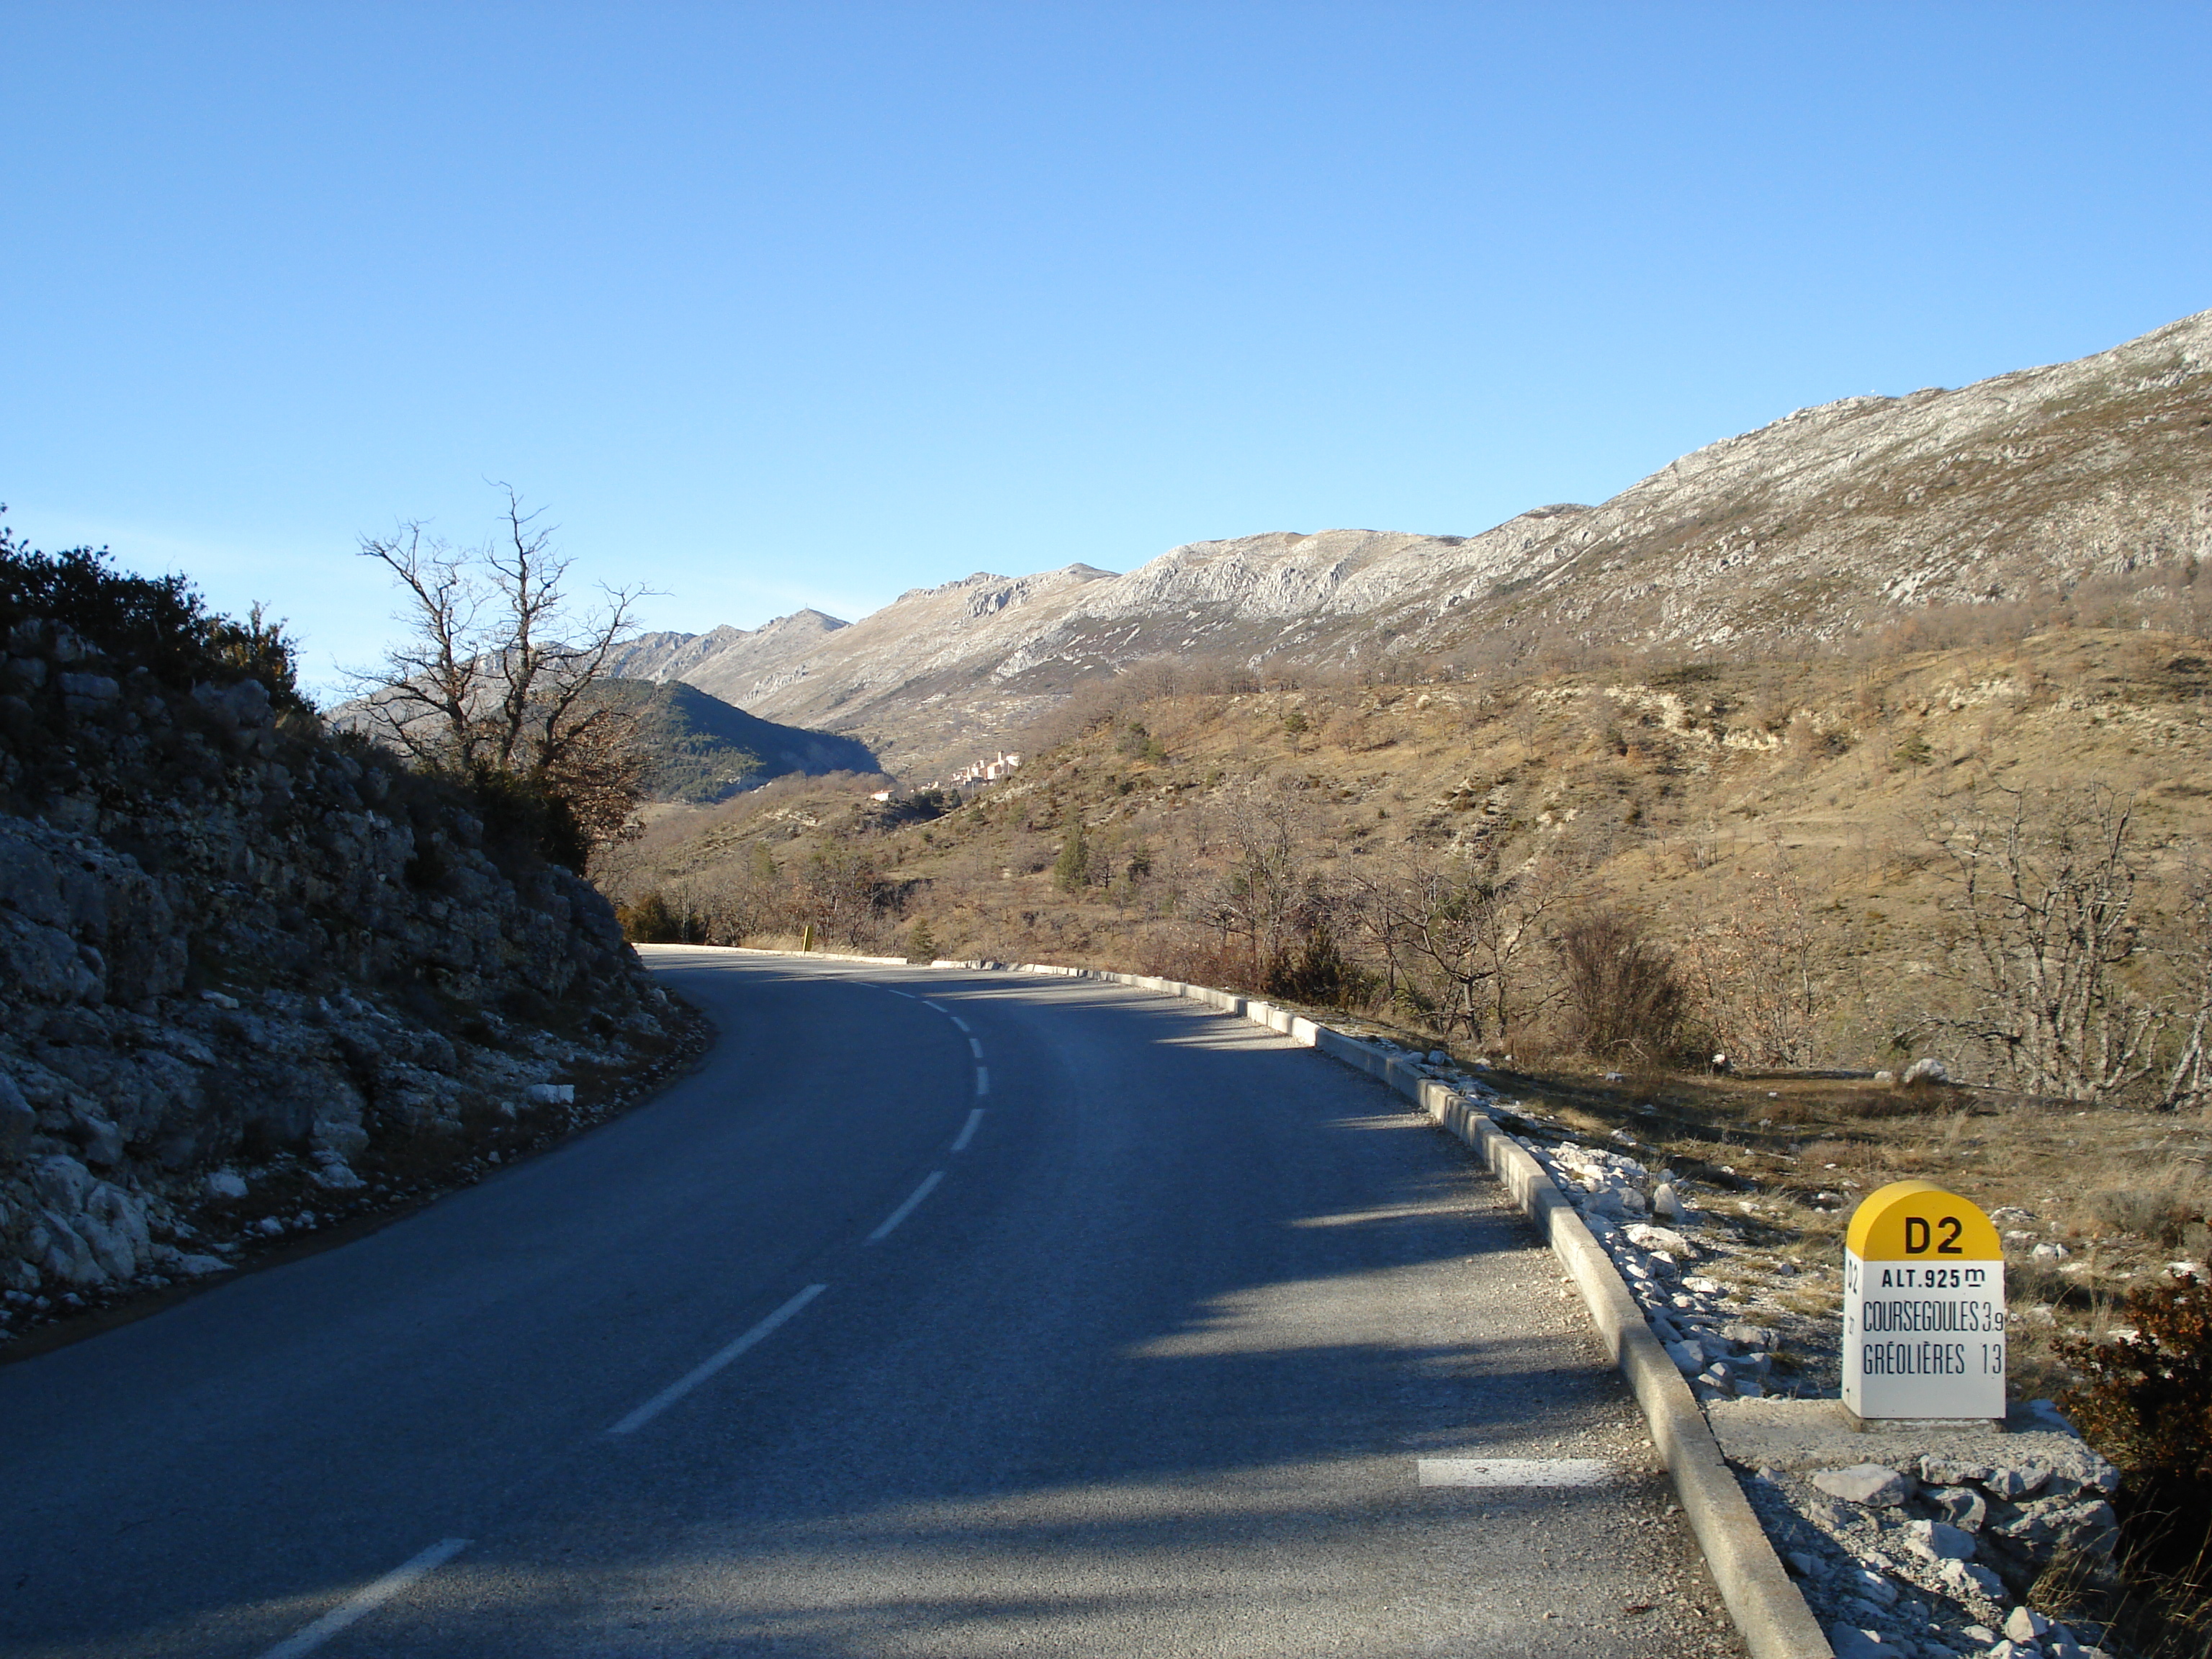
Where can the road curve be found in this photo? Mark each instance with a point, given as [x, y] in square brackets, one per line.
[938, 1314]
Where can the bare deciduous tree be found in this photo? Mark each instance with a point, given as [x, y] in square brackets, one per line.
[2189, 1084]
[1754, 971]
[1265, 891]
[496, 673]
[2044, 936]
[1460, 921]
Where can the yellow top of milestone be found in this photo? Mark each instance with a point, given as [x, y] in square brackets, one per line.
[1918, 1221]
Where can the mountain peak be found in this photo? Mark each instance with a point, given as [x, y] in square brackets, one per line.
[1836, 518]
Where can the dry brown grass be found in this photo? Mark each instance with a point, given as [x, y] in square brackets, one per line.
[2123, 1193]
[1677, 791]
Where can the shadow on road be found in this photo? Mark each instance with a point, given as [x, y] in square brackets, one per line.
[1148, 1375]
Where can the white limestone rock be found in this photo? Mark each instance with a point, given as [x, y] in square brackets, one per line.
[1873, 1486]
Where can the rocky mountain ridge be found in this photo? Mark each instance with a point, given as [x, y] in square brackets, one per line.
[1827, 522]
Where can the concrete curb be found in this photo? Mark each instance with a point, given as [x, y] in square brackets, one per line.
[1769, 1611]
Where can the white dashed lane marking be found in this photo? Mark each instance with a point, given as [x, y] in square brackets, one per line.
[967, 1131]
[928, 1185]
[359, 1606]
[699, 1373]
[1513, 1471]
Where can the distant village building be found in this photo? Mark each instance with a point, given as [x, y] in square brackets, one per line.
[986, 771]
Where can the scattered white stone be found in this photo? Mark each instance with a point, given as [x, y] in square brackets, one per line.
[200, 1265]
[1962, 1506]
[1872, 1485]
[2051, 1251]
[338, 1177]
[1645, 1236]
[1939, 1540]
[1968, 1579]
[1874, 1586]
[550, 1094]
[219, 999]
[226, 1183]
[1929, 1070]
[2017, 1483]
[1850, 1642]
[2025, 1624]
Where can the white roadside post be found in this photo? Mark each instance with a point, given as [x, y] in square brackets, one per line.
[1923, 1308]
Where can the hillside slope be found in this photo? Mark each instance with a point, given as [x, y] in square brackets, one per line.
[1814, 528]
[704, 750]
[1692, 795]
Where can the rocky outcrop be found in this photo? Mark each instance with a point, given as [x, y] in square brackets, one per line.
[253, 978]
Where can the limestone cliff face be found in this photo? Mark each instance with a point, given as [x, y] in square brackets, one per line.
[1829, 521]
[248, 974]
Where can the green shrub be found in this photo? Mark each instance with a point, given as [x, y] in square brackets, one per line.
[160, 623]
[651, 920]
[1623, 995]
[1317, 972]
[1071, 871]
[920, 942]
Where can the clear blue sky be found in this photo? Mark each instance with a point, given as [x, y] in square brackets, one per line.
[780, 305]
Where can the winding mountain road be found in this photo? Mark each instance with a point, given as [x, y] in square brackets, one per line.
[937, 1314]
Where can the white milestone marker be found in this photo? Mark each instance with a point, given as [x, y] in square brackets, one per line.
[1923, 1307]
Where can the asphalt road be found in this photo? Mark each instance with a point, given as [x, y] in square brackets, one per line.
[938, 1314]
